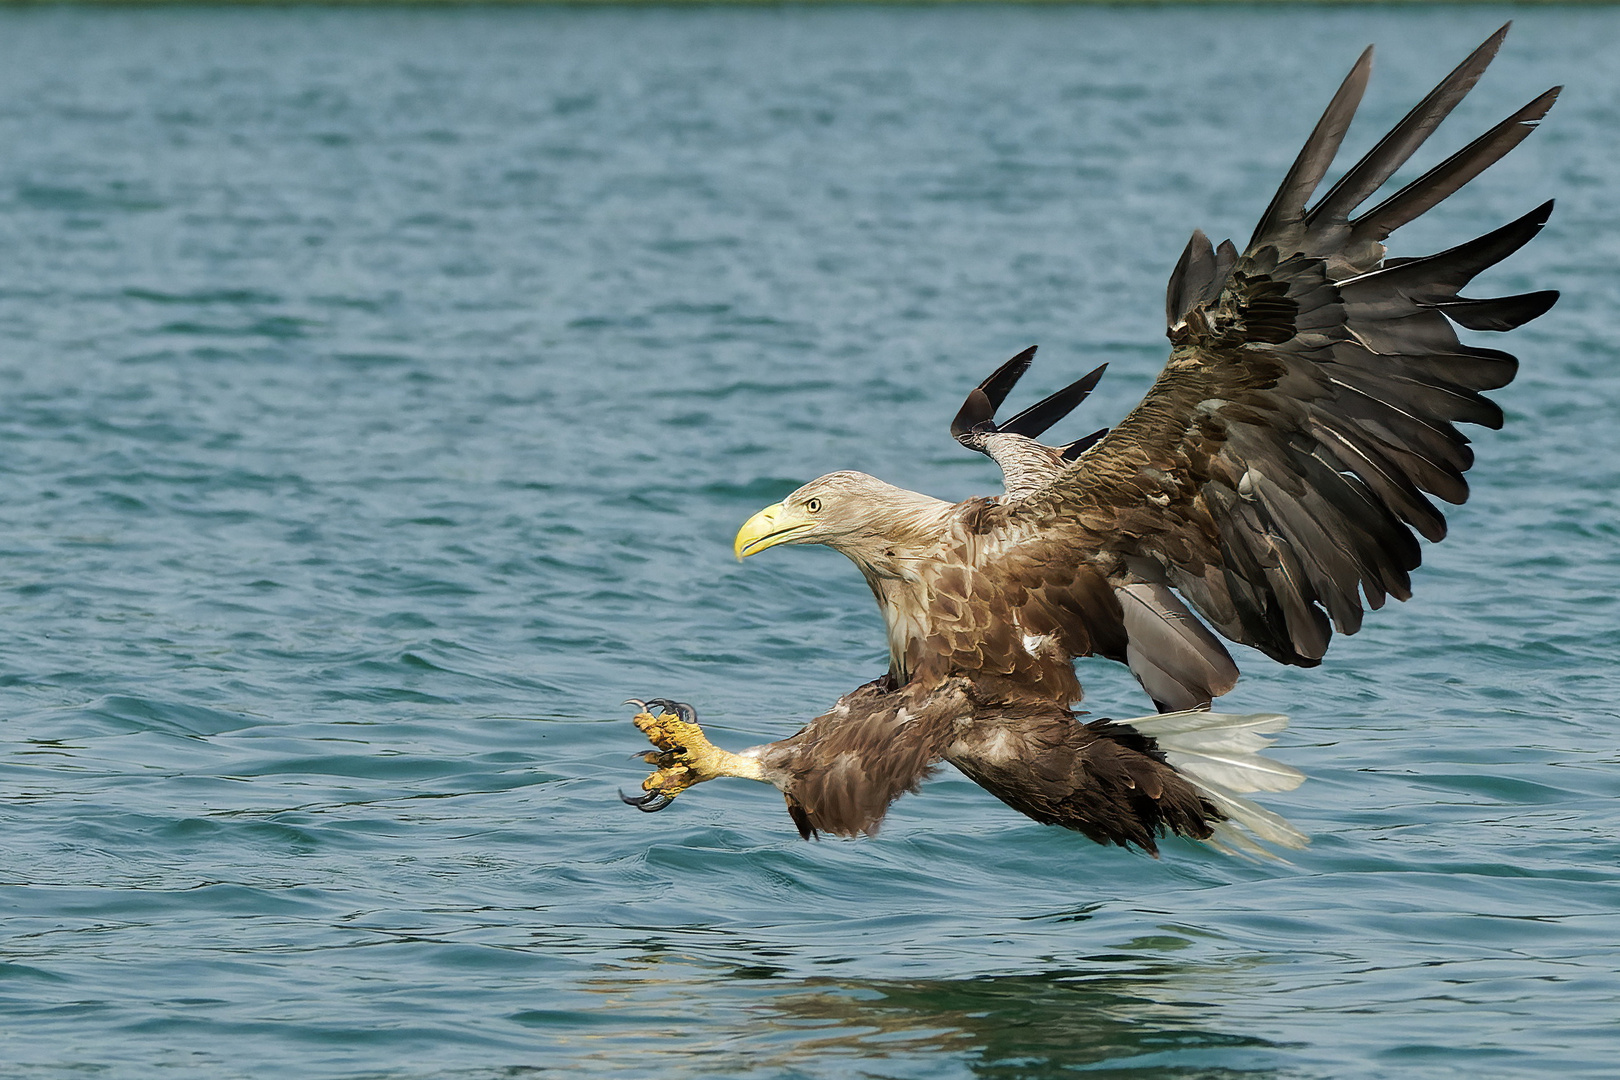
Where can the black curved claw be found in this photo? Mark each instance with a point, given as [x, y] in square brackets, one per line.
[650, 803]
[637, 702]
[680, 709]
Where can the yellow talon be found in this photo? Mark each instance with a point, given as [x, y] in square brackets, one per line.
[684, 755]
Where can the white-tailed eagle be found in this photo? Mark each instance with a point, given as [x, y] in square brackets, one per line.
[1268, 487]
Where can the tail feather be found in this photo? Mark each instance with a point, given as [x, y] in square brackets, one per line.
[1217, 752]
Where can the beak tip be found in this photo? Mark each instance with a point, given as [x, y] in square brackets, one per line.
[761, 527]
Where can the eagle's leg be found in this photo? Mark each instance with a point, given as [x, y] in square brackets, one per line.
[684, 755]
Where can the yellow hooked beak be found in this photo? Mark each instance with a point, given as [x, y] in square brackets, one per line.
[771, 526]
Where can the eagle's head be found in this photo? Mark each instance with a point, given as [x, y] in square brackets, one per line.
[850, 512]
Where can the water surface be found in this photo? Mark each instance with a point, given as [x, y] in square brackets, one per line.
[380, 390]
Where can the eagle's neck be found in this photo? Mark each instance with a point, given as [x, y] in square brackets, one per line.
[904, 604]
[893, 551]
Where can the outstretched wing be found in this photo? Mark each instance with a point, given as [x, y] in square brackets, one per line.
[1276, 471]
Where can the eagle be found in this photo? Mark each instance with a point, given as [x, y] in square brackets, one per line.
[1268, 489]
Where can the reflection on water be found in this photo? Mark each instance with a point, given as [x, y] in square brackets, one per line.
[1004, 1025]
[1121, 1011]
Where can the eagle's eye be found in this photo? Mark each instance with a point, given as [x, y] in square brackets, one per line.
[813, 505]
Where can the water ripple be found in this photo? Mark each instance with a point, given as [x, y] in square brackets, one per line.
[381, 392]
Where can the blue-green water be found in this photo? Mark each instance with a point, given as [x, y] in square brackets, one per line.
[380, 391]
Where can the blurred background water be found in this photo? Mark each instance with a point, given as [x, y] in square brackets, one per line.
[379, 393]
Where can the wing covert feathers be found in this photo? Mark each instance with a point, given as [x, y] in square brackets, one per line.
[1198, 277]
[843, 770]
[1277, 470]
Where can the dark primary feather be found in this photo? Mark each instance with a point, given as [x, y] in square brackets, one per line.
[1004, 378]
[1328, 218]
[976, 418]
[1428, 190]
[1033, 421]
[1288, 205]
[1025, 463]
[983, 400]
[1082, 444]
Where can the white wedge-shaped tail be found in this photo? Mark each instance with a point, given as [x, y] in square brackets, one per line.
[1218, 752]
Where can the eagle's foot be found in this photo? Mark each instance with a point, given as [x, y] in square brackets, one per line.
[684, 755]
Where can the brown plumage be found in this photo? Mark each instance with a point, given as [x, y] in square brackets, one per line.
[1271, 481]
